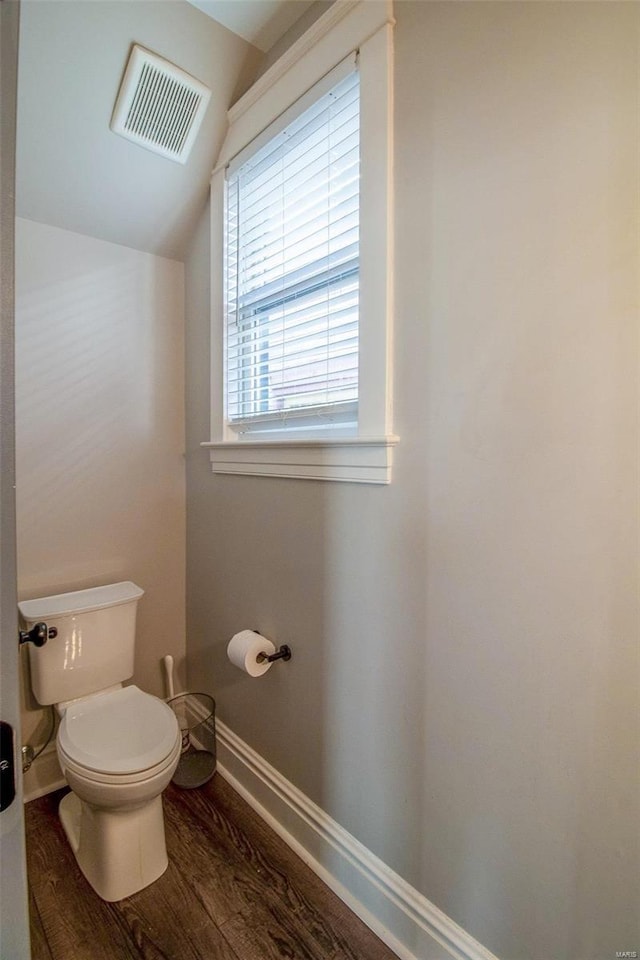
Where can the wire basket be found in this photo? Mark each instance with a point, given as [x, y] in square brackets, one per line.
[196, 714]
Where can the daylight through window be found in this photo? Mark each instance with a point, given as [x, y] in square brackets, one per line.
[292, 272]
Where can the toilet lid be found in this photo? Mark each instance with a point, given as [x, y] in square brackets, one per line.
[124, 731]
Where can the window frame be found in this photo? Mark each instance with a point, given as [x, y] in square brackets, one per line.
[364, 27]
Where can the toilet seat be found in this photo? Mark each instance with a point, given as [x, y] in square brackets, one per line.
[123, 735]
[71, 768]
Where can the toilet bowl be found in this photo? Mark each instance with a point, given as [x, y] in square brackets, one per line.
[118, 751]
[118, 747]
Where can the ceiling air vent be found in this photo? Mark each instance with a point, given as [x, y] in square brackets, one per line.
[159, 106]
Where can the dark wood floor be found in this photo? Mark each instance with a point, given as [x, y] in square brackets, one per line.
[233, 891]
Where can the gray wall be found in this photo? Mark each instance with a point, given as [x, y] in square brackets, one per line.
[463, 692]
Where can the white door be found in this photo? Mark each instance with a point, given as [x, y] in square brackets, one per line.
[14, 916]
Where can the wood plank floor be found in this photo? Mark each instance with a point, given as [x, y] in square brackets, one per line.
[233, 891]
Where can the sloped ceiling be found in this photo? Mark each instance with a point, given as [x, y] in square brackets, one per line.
[72, 171]
[260, 22]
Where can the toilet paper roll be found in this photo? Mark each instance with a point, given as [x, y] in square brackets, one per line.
[243, 651]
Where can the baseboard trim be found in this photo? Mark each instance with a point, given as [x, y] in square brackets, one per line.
[412, 926]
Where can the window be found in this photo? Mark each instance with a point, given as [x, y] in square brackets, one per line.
[301, 242]
[292, 272]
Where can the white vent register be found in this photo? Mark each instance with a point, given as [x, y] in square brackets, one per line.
[159, 106]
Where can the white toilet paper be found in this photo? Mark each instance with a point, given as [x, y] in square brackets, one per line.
[243, 651]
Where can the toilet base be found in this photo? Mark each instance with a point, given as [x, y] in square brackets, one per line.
[118, 851]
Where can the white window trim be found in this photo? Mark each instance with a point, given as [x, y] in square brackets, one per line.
[348, 25]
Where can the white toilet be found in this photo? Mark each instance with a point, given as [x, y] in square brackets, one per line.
[118, 747]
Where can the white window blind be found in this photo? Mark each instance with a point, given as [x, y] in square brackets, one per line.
[292, 272]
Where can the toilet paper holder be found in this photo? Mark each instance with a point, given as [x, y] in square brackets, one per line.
[284, 653]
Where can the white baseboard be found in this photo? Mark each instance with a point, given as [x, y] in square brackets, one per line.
[405, 920]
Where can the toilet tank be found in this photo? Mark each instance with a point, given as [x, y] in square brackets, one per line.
[94, 646]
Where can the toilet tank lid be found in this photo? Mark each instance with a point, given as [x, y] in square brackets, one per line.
[79, 601]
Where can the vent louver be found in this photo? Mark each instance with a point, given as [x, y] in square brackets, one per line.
[159, 106]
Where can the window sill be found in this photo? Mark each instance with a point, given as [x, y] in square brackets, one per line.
[358, 460]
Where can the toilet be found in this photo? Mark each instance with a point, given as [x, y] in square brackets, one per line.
[118, 747]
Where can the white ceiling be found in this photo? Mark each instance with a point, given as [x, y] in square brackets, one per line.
[261, 22]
